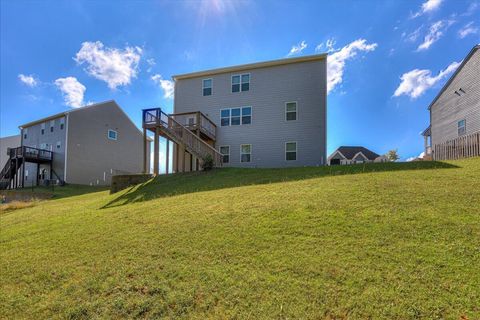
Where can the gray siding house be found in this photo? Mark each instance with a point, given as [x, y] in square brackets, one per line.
[89, 145]
[266, 114]
[455, 111]
[5, 144]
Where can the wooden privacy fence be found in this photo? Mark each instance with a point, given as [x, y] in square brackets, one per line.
[461, 147]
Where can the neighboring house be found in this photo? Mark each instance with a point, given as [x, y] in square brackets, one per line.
[266, 114]
[455, 113]
[352, 155]
[80, 146]
[5, 144]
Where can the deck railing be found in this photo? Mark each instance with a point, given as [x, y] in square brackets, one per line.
[461, 147]
[179, 132]
[31, 153]
[197, 121]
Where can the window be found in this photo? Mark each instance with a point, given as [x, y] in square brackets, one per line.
[241, 82]
[290, 151]
[245, 153]
[207, 87]
[246, 115]
[225, 152]
[225, 117]
[26, 174]
[62, 123]
[291, 111]
[44, 146]
[112, 134]
[236, 116]
[462, 128]
[42, 128]
[59, 144]
[25, 133]
[52, 124]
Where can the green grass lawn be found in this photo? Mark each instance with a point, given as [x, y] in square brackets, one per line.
[380, 241]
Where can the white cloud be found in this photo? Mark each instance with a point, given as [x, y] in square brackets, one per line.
[115, 66]
[336, 60]
[72, 90]
[413, 36]
[166, 85]
[416, 82]
[420, 156]
[435, 32]
[468, 29]
[329, 44]
[151, 62]
[28, 80]
[298, 48]
[427, 7]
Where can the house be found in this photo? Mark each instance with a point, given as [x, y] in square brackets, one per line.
[5, 144]
[80, 146]
[454, 129]
[352, 155]
[265, 114]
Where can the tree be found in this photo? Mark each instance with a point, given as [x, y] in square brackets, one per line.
[392, 155]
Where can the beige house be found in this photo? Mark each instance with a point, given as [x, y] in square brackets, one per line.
[81, 146]
[454, 130]
[353, 155]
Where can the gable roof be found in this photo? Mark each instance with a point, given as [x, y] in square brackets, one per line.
[64, 113]
[350, 152]
[470, 54]
[250, 66]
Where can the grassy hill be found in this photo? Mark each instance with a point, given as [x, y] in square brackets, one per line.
[387, 241]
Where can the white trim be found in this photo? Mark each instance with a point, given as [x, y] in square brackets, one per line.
[111, 138]
[464, 127]
[296, 111]
[333, 154]
[220, 151]
[211, 88]
[241, 116]
[296, 150]
[240, 83]
[360, 153]
[251, 148]
[66, 149]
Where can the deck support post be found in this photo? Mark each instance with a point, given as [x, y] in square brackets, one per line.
[145, 156]
[180, 158]
[23, 173]
[38, 173]
[167, 156]
[156, 151]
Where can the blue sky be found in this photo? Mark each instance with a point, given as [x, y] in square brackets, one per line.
[388, 59]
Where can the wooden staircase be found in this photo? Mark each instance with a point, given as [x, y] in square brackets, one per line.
[11, 175]
[163, 124]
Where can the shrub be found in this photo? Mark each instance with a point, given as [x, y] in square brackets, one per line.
[208, 162]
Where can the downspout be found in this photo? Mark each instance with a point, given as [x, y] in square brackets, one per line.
[66, 149]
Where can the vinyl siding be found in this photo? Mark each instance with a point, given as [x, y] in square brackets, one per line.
[270, 88]
[451, 108]
[5, 143]
[35, 138]
[91, 155]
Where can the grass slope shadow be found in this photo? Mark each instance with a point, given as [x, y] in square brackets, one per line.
[183, 183]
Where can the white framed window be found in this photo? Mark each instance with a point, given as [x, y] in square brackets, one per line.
[59, 144]
[245, 153]
[225, 152]
[207, 85]
[62, 123]
[235, 116]
[291, 111]
[112, 134]
[52, 125]
[291, 151]
[42, 128]
[241, 82]
[462, 127]
[25, 133]
[26, 174]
